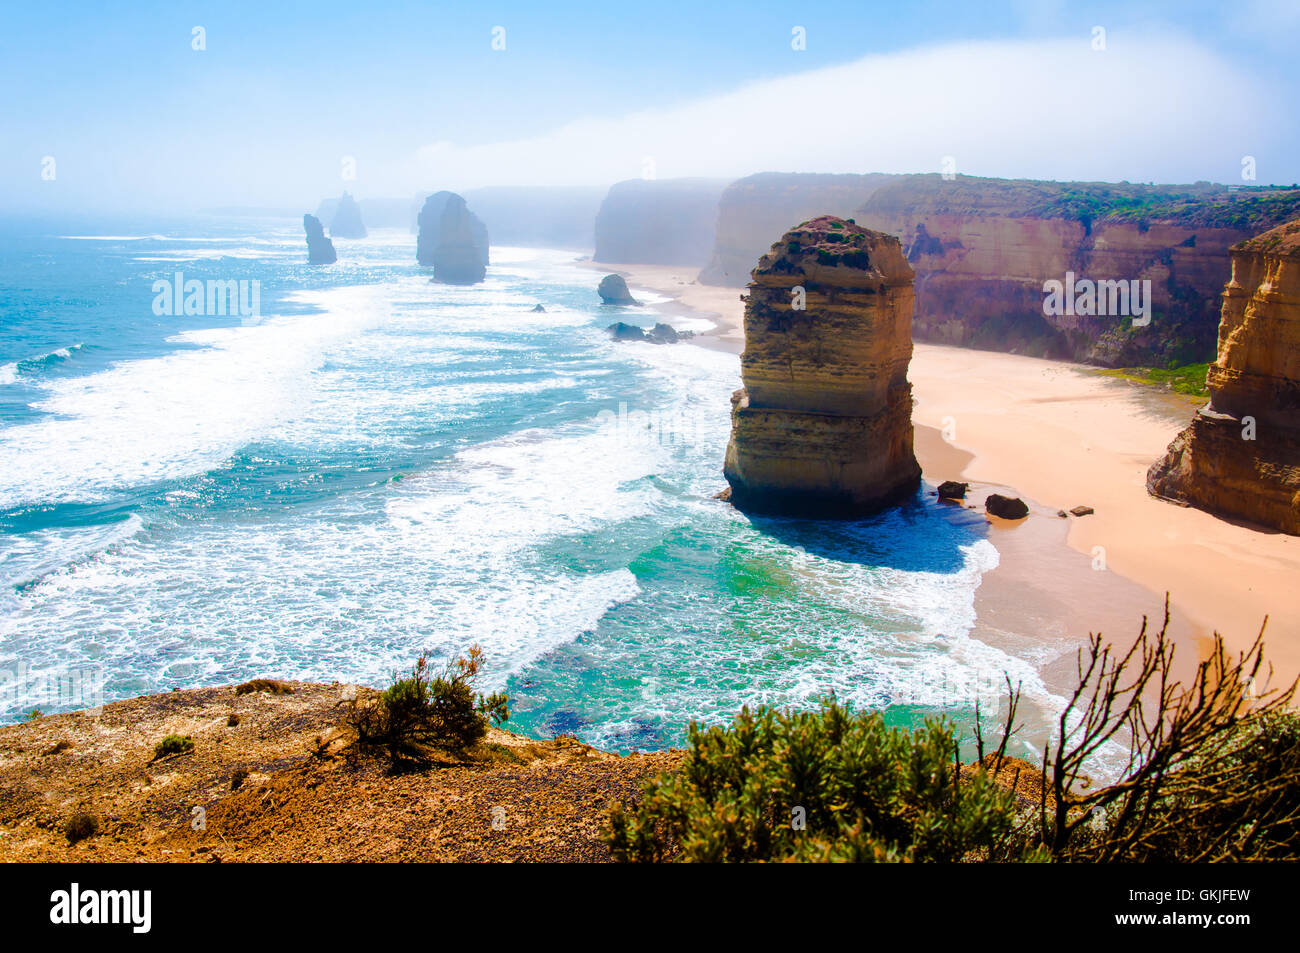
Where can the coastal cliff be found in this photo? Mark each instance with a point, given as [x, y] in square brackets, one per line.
[983, 248]
[452, 240]
[823, 425]
[538, 217]
[658, 222]
[754, 211]
[320, 250]
[1240, 456]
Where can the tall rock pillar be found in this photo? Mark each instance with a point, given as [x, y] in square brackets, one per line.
[823, 425]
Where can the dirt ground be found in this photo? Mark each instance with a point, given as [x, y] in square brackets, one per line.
[286, 783]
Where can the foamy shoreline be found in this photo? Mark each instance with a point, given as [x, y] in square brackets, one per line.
[1061, 436]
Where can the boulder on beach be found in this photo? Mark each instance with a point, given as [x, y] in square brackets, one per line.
[320, 250]
[1083, 511]
[1006, 507]
[613, 290]
[953, 490]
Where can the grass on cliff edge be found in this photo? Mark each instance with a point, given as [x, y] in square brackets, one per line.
[1189, 379]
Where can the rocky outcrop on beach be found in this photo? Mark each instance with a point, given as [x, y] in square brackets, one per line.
[1240, 457]
[260, 762]
[452, 240]
[755, 211]
[823, 425]
[983, 248]
[613, 290]
[659, 221]
[347, 222]
[320, 250]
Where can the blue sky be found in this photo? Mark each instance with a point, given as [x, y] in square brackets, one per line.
[586, 92]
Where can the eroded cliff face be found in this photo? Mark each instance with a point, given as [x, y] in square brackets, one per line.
[983, 248]
[823, 425]
[658, 222]
[755, 211]
[452, 240]
[1240, 456]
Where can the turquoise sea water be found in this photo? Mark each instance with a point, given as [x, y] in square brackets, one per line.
[379, 465]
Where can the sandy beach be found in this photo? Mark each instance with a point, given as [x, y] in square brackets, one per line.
[1060, 436]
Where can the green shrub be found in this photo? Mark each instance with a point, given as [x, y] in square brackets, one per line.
[823, 785]
[172, 744]
[424, 710]
[1211, 773]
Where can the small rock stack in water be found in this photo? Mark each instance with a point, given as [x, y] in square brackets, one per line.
[823, 425]
[1241, 454]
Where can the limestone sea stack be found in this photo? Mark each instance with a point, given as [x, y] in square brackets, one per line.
[1240, 456]
[452, 240]
[320, 250]
[823, 426]
[347, 222]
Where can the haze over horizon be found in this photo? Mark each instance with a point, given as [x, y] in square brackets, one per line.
[281, 102]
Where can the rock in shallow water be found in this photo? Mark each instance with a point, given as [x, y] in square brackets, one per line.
[823, 425]
[659, 334]
[952, 490]
[613, 290]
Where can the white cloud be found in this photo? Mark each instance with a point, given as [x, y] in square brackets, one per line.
[1164, 109]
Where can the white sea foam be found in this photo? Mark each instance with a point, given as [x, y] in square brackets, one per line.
[168, 417]
[523, 543]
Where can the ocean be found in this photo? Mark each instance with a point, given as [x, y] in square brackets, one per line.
[376, 465]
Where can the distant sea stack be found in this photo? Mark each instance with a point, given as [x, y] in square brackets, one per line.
[823, 425]
[1240, 456]
[346, 222]
[452, 240]
[320, 250]
[659, 222]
